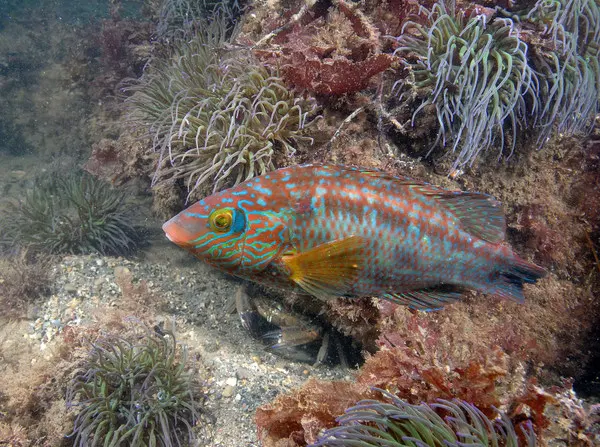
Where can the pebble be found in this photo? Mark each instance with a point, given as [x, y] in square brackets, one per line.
[244, 379]
[120, 271]
[228, 391]
[243, 373]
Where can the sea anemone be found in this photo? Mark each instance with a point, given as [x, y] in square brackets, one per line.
[215, 113]
[74, 213]
[569, 23]
[477, 72]
[139, 393]
[569, 70]
[445, 423]
[182, 16]
[569, 85]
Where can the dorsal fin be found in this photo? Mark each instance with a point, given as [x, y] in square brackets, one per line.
[393, 178]
[480, 214]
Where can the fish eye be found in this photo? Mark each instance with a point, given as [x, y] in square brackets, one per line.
[221, 220]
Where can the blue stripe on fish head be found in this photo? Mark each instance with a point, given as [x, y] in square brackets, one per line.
[212, 229]
[252, 235]
[267, 234]
[266, 237]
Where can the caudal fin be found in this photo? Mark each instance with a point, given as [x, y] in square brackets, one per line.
[508, 280]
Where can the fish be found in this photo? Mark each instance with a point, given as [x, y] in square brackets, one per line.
[333, 231]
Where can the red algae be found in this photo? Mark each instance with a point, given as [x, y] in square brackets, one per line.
[335, 53]
[296, 418]
[422, 361]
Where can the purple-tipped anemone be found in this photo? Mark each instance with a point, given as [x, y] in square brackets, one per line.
[452, 423]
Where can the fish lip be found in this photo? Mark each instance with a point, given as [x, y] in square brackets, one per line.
[168, 235]
[164, 228]
[171, 227]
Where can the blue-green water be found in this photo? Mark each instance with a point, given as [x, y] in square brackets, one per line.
[72, 12]
[52, 63]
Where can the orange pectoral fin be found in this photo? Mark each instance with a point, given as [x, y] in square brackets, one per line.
[328, 270]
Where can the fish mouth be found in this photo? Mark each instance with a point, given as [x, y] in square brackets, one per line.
[176, 233]
[168, 236]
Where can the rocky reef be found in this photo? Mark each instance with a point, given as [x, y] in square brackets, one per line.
[166, 104]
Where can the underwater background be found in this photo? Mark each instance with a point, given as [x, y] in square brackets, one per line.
[117, 115]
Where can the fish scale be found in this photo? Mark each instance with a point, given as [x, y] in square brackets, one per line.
[356, 217]
[335, 231]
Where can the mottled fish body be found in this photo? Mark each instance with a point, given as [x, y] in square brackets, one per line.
[334, 231]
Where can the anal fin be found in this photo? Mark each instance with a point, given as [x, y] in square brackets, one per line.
[432, 298]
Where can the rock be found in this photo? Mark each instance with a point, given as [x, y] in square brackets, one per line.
[121, 271]
[70, 288]
[228, 391]
[243, 373]
[231, 381]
